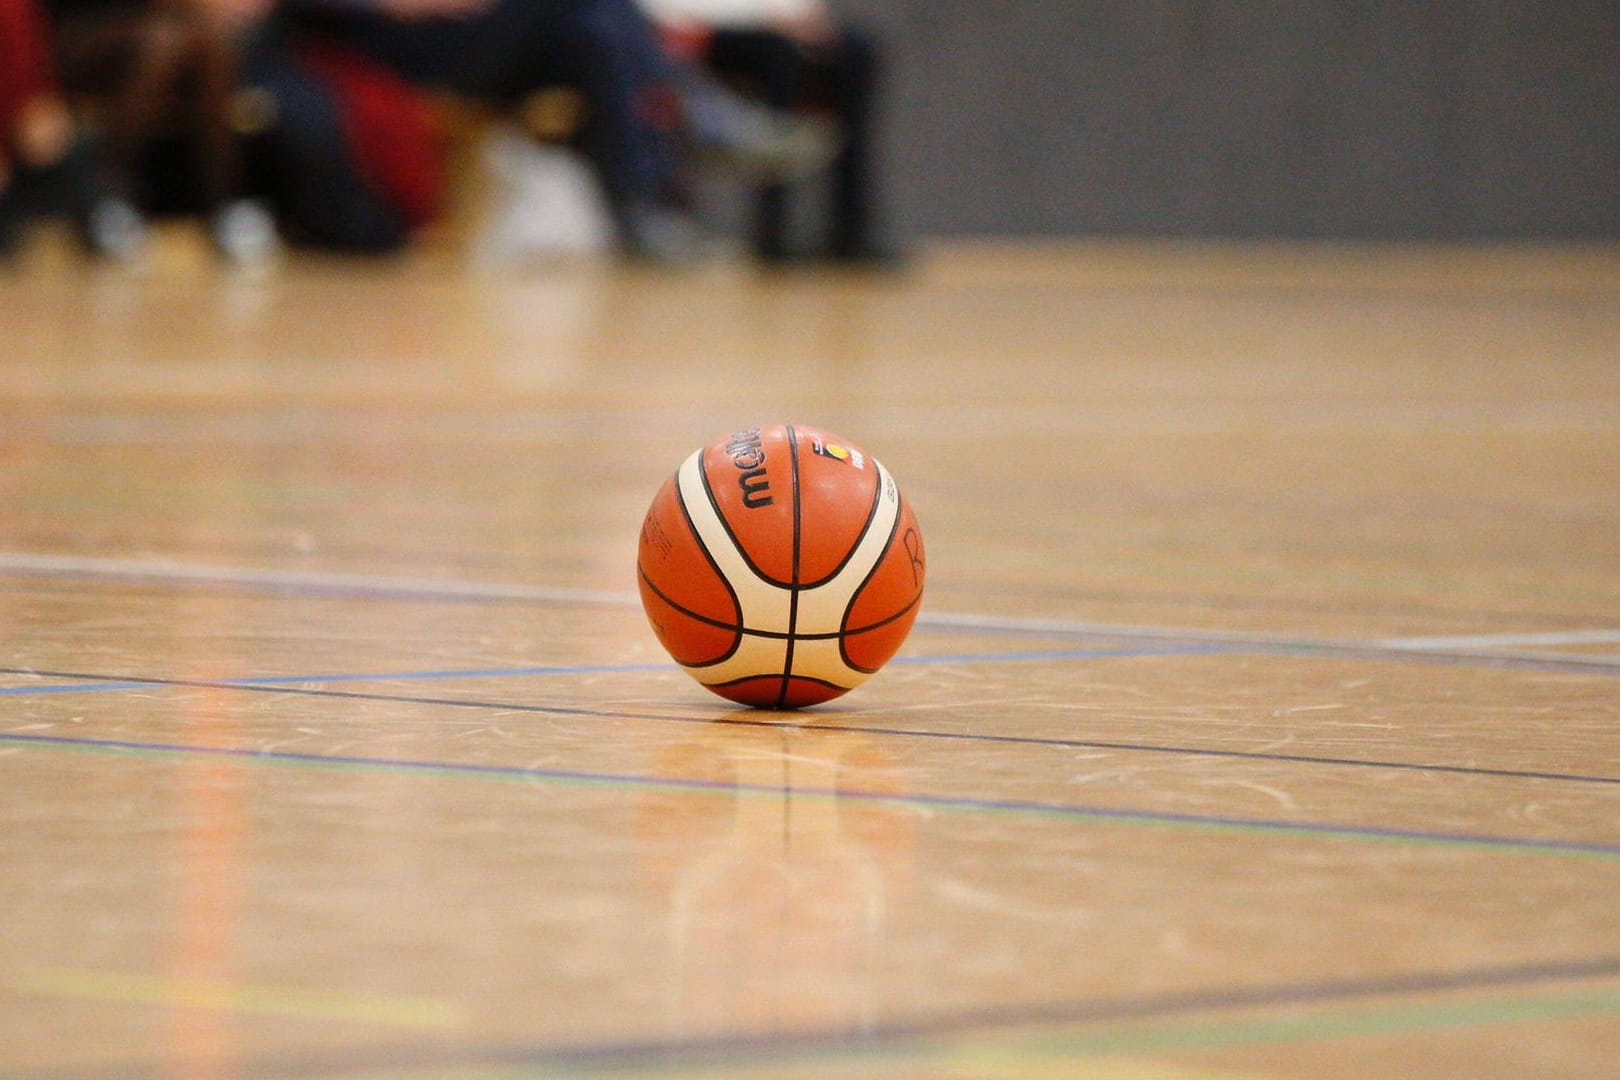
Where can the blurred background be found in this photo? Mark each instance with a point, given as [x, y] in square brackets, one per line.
[652, 126]
[1455, 119]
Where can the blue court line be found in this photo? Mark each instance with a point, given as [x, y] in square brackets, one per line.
[1030, 807]
[294, 680]
[71, 688]
[1040, 655]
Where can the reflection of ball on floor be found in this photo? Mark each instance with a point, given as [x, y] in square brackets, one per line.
[780, 566]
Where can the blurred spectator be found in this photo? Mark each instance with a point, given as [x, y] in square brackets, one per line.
[795, 55]
[45, 165]
[168, 72]
[644, 119]
[351, 158]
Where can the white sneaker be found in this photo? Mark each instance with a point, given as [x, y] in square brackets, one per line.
[114, 229]
[244, 233]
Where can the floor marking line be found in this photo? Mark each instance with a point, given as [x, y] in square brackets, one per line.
[1489, 641]
[904, 1042]
[1116, 815]
[158, 570]
[136, 988]
[71, 688]
[252, 681]
[331, 582]
[743, 718]
[267, 681]
[1262, 642]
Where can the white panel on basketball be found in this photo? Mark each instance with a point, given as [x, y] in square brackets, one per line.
[762, 657]
[764, 606]
[755, 656]
[823, 658]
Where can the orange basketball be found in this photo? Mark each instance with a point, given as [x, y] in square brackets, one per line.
[780, 566]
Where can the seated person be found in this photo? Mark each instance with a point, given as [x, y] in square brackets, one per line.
[641, 112]
[45, 165]
[794, 54]
[169, 68]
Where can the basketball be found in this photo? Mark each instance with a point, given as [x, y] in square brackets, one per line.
[780, 566]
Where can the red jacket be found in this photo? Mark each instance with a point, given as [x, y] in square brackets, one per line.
[26, 71]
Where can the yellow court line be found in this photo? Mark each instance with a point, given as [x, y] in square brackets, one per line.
[391, 1010]
[974, 1067]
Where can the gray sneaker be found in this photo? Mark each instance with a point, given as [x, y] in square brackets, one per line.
[746, 137]
[663, 235]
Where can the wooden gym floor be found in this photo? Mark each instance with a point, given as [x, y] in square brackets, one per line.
[1263, 719]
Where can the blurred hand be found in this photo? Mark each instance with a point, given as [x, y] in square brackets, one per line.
[814, 28]
[44, 131]
[227, 13]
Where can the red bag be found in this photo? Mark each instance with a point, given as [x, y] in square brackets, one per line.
[387, 123]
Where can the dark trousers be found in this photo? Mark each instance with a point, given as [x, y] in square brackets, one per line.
[161, 77]
[309, 166]
[605, 48]
[839, 76]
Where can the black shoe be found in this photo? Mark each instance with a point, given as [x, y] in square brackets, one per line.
[11, 223]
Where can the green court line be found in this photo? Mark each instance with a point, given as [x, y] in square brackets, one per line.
[1005, 1054]
[1168, 1038]
[1042, 1053]
[631, 782]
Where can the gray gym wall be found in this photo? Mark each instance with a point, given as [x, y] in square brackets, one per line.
[1252, 118]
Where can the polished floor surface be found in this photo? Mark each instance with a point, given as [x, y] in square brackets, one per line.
[1262, 719]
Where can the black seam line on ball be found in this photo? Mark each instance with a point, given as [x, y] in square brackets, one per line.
[725, 522]
[721, 624]
[866, 526]
[718, 624]
[814, 680]
[793, 595]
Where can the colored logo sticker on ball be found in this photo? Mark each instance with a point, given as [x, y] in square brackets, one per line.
[845, 454]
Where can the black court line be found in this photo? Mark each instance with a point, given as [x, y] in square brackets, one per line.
[1072, 811]
[754, 719]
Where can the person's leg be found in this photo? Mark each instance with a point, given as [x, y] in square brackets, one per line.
[241, 229]
[771, 66]
[217, 55]
[847, 74]
[91, 182]
[313, 177]
[604, 48]
[633, 114]
[34, 127]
